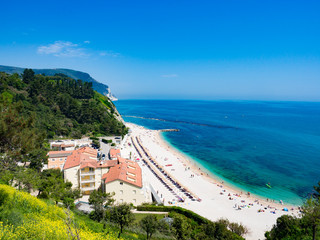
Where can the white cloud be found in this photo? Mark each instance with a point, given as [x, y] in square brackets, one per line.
[69, 49]
[109, 53]
[170, 76]
[62, 49]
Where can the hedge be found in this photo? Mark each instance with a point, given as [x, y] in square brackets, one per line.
[189, 214]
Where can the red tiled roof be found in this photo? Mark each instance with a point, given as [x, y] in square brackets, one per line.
[68, 145]
[127, 171]
[121, 160]
[88, 150]
[88, 164]
[62, 144]
[109, 163]
[60, 153]
[87, 157]
[80, 156]
[114, 152]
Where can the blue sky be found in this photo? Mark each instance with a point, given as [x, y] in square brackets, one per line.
[254, 50]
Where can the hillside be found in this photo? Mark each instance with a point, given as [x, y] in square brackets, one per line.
[23, 216]
[59, 106]
[99, 87]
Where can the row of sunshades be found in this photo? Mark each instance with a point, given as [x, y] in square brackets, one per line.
[166, 174]
[156, 172]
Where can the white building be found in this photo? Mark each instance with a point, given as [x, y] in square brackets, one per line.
[121, 176]
[125, 180]
[84, 171]
[57, 159]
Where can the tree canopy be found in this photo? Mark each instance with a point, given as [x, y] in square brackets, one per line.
[58, 105]
[121, 214]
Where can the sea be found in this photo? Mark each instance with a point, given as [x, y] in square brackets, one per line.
[247, 144]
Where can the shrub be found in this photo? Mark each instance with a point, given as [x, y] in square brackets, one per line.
[238, 229]
[189, 214]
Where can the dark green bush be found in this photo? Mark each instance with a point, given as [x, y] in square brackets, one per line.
[189, 214]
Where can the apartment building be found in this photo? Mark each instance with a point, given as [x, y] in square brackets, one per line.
[125, 180]
[84, 171]
[57, 159]
[121, 176]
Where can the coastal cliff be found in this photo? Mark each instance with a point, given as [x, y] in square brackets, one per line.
[97, 86]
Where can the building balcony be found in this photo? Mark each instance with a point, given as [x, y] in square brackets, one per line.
[87, 180]
[87, 173]
[88, 188]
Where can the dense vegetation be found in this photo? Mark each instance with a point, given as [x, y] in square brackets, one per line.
[97, 86]
[189, 225]
[61, 106]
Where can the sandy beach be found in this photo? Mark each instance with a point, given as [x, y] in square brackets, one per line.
[215, 200]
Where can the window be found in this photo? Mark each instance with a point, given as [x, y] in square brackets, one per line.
[121, 191]
[121, 183]
[134, 192]
[60, 159]
[134, 200]
[52, 159]
[121, 200]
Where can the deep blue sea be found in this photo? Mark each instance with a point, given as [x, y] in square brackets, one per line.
[245, 143]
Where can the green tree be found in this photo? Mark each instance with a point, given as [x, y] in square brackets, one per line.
[49, 177]
[149, 224]
[100, 200]
[122, 215]
[37, 158]
[238, 229]
[311, 213]
[285, 227]
[27, 179]
[18, 136]
[180, 227]
[28, 76]
[69, 196]
[208, 231]
[54, 187]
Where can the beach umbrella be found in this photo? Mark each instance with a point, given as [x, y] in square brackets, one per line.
[285, 209]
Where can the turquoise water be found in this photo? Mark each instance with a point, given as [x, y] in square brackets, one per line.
[245, 143]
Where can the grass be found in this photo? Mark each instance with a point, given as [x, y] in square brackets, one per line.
[139, 216]
[104, 100]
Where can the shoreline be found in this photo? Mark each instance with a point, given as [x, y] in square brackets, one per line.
[209, 176]
[217, 201]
